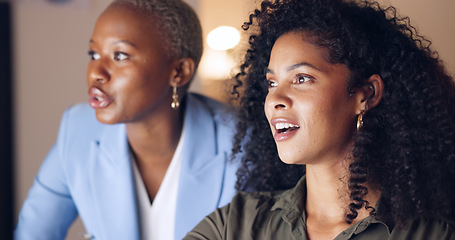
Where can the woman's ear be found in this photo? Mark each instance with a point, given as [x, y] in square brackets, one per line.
[371, 93]
[182, 72]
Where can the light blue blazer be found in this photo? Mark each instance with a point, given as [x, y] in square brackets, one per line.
[88, 172]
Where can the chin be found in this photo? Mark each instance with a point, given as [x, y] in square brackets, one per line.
[289, 158]
[103, 118]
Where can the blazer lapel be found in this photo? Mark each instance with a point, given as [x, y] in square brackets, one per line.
[203, 168]
[113, 186]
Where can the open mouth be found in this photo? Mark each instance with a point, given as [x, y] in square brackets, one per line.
[285, 127]
[98, 99]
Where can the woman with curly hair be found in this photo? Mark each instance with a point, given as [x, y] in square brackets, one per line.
[351, 92]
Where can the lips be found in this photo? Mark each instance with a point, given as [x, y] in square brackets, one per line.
[284, 128]
[98, 99]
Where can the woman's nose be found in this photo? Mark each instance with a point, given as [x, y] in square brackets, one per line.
[97, 71]
[278, 99]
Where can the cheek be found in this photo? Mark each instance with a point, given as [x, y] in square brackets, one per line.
[338, 118]
[121, 84]
[316, 115]
[132, 81]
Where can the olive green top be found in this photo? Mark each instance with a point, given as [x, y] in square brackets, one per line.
[281, 215]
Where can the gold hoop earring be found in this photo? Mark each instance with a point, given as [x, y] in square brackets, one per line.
[360, 121]
[175, 98]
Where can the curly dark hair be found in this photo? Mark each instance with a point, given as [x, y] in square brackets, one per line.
[406, 146]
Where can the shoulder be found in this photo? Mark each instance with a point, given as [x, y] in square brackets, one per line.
[79, 128]
[420, 228]
[207, 112]
[255, 200]
[80, 119]
[251, 210]
[80, 114]
[220, 111]
[246, 217]
[210, 103]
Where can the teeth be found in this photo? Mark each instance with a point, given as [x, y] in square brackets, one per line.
[99, 98]
[283, 125]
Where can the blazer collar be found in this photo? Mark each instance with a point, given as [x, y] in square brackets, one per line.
[200, 134]
[202, 176]
[113, 186]
[199, 124]
[113, 144]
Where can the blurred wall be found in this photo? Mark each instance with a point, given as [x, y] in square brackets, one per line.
[50, 57]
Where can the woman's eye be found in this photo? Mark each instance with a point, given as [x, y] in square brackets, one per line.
[271, 83]
[119, 56]
[93, 55]
[303, 78]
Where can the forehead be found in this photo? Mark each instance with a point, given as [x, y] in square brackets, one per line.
[126, 21]
[298, 43]
[125, 12]
[294, 47]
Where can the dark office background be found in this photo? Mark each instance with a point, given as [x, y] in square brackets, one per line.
[6, 134]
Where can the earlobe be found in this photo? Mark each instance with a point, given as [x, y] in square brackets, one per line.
[183, 72]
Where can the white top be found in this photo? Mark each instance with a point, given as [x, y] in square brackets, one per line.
[157, 220]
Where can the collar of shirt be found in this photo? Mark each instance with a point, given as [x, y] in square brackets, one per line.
[292, 203]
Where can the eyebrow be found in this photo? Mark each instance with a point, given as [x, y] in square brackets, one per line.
[297, 65]
[119, 41]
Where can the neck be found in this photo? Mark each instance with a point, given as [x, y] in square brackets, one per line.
[326, 191]
[328, 195]
[155, 138]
